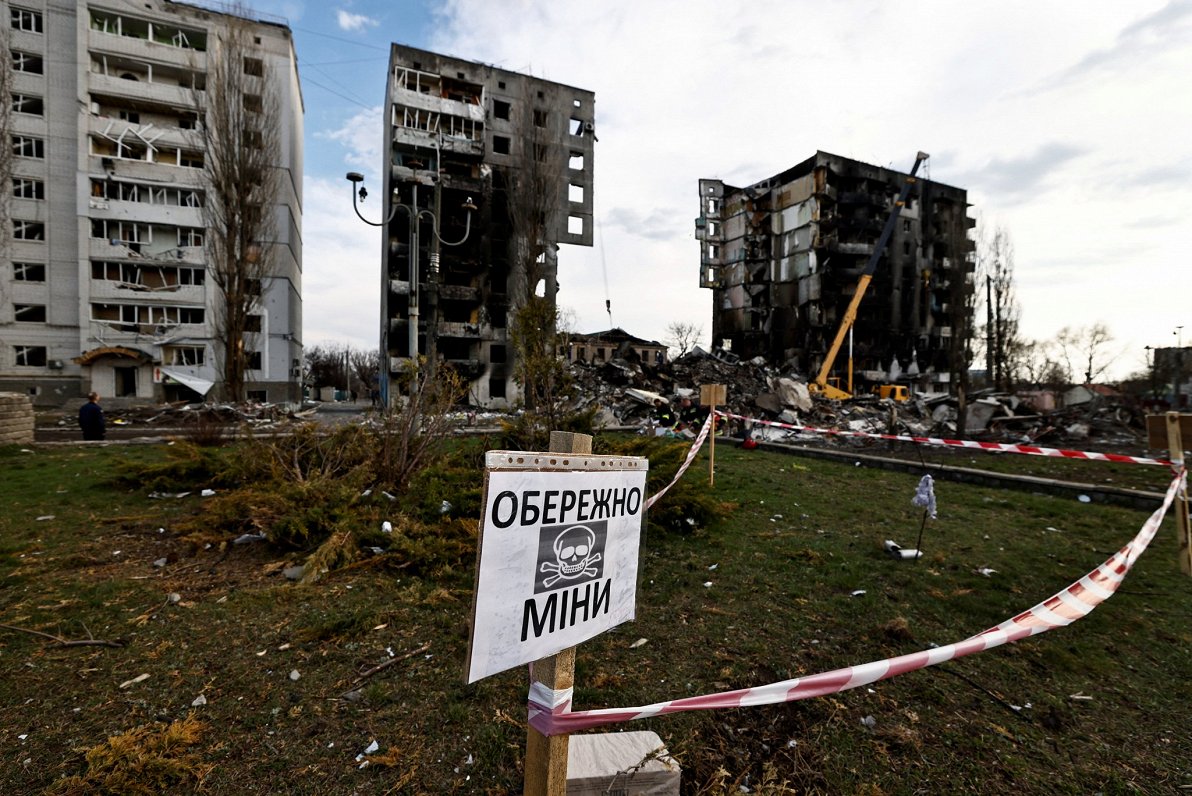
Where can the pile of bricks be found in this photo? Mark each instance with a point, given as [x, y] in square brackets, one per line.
[16, 419]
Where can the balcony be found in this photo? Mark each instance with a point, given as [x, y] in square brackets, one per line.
[144, 91]
[98, 41]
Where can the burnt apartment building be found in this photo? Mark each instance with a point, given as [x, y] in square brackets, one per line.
[783, 257]
[488, 172]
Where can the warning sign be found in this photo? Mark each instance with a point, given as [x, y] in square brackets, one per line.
[558, 554]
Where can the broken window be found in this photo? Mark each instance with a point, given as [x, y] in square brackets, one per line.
[253, 360]
[496, 387]
[501, 145]
[26, 188]
[575, 193]
[501, 109]
[252, 323]
[26, 20]
[29, 272]
[24, 146]
[539, 118]
[185, 355]
[31, 356]
[190, 160]
[29, 313]
[253, 103]
[576, 161]
[130, 116]
[28, 103]
[28, 230]
[190, 237]
[575, 225]
[27, 62]
[254, 67]
[252, 287]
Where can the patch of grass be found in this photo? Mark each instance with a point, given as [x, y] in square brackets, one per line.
[795, 540]
[148, 760]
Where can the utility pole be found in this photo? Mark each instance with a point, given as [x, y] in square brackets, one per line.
[989, 331]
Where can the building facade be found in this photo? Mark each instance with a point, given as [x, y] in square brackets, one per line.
[494, 169]
[603, 346]
[105, 282]
[783, 256]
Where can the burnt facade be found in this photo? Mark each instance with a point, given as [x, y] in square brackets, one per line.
[494, 171]
[783, 257]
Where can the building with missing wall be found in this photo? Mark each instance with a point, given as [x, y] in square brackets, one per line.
[782, 258]
[104, 281]
[497, 167]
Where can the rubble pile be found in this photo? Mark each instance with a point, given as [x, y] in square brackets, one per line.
[624, 389]
[181, 415]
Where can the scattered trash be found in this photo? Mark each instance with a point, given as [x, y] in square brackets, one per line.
[200, 700]
[294, 572]
[712, 567]
[294, 675]
[925, 496]
[388, 495]
[161, 562]
[248, 538]
[207, 493]
[1084, 498]
[1080, 696]
[174, 598]
[386, 527]
[869, 722]
[640, 642]
[904, 553]
[986, 571]
[140, 678]
[707, 584]
[164, 495]
[445, 507]
[857, 593]
[45, 517]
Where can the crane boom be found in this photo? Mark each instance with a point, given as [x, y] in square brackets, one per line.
[850, 315]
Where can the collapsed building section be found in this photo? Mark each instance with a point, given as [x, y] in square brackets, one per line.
[783, 257]
[488, 172]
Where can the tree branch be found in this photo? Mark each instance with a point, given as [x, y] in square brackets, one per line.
[62, 642]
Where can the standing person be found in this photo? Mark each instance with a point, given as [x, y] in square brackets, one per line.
[91, 418]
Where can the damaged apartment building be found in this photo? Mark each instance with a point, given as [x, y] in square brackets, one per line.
[783, 257]
[105, 278]
[488, 172]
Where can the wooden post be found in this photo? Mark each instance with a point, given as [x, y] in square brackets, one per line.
[1175, 443]
[546, 757]
[710, 395]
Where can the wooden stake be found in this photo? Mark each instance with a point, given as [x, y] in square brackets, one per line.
[712, 447]
[546, 757]
[1175, 444]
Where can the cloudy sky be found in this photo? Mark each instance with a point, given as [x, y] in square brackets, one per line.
[1070, 125]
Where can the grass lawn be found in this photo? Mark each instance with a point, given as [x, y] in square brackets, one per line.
[285, 704]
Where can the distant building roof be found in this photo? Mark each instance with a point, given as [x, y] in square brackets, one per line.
[617, 336]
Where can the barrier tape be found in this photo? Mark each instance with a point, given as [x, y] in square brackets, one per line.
[549, 711]
[1005, 447]
[695, 446]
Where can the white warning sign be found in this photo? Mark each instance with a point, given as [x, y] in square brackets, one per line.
[558, 555]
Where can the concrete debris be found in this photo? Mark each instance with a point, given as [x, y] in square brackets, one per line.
[759, 390]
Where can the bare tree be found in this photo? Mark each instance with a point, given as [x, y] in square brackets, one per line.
[533, 191]
[1084, 347]
[1003, 344]
[242, 144]
[683, 336]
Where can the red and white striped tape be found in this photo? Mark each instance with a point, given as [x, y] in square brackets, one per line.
[1031, 450]
[550, 714]
[695, 446]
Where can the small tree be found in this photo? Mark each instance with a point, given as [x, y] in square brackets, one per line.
[683, 336]
[241, 142]
[1003, 344]
[1083, 347]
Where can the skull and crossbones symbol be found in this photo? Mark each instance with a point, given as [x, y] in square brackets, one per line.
[574, 557]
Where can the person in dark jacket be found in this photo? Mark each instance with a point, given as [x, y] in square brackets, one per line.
[91, 418]
[664, 418]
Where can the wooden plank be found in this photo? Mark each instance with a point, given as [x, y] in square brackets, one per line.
[1176, 443]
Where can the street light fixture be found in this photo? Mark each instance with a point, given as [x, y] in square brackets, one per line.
[416, 216]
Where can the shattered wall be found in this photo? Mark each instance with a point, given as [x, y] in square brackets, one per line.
[782, 257]
[469, 142]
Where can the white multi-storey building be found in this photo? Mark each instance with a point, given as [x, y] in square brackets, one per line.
[104, 279]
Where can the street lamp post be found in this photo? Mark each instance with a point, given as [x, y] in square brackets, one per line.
[1179, 365]
[416, 216]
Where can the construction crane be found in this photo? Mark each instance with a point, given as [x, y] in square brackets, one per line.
[821, 384]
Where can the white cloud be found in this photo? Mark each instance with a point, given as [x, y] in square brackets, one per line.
[354, 22]
[1068, 129]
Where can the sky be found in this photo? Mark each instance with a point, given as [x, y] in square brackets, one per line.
[1069, 124]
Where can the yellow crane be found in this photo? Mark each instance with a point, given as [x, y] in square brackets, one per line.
[821, 384]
